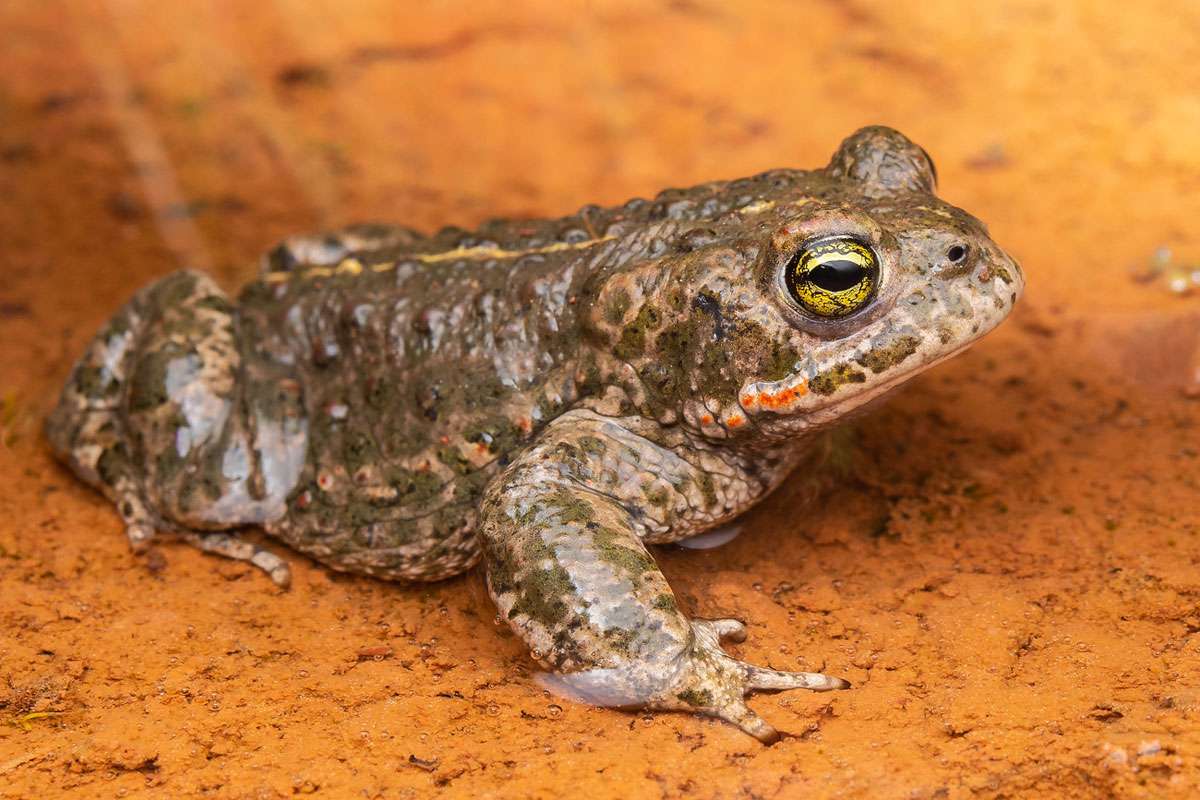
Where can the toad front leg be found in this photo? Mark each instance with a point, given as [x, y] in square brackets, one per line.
[563, 531]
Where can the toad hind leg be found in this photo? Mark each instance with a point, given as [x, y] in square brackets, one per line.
[150, 410]
[569, 572]
[229, 545]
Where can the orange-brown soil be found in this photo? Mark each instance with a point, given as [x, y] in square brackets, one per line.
[1011, 579]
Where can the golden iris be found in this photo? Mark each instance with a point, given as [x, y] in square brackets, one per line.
[833, 277]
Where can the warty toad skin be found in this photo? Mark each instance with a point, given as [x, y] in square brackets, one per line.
[548, 397]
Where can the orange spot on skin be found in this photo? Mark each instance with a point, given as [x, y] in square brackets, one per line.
[781, 399]
[707, 419]
[524, 424]
[481, 448]
[444, 439]
[735, 421]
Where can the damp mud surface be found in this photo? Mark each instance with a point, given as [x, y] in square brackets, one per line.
[1009, 575]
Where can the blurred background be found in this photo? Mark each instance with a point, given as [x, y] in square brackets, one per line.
[1012, 583]
[226, 125]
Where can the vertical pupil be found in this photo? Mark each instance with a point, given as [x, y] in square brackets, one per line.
[836, 275]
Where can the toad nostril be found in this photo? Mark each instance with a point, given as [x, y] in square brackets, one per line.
[957, 253]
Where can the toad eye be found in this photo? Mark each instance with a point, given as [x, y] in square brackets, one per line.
[833, 277]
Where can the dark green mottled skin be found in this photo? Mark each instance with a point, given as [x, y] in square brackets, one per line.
[550, 395]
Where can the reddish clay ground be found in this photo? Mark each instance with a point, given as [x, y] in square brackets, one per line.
[1011, 580]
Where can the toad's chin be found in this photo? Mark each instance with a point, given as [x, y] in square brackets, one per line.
[786, 409]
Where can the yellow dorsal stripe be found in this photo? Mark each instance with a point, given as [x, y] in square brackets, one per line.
[352, 266]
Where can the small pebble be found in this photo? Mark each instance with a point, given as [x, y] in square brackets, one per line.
[1149, 748]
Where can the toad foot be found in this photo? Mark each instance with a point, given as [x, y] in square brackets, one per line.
[711, 682]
